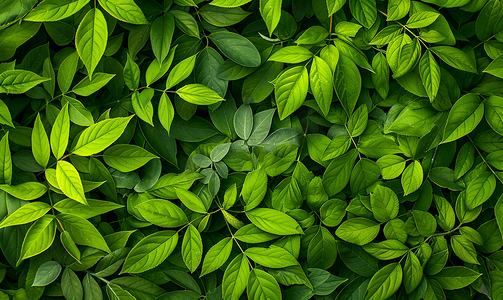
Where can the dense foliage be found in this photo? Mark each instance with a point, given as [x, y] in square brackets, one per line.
[265, 149]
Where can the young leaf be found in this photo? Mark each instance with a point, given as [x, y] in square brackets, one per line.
[69, 181]
[273, 221]
[291, 90]
[19, 81]
[192, 248]
[83, 232]
[216, 256]
[127, 158]
[385, 282]
[262, 285]
[60, 133]
[198, 94]
[39, 237]
[124, 10]
[271, 13]
[26, 214]
[235, 278]
[6, 160]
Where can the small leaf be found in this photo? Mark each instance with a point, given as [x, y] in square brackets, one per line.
[69, 181]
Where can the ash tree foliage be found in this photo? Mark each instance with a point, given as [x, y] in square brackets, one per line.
[265, 149]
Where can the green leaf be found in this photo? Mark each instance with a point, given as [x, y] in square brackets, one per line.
[198, 94]
[262, 285]
[191, 200]
[92, 289]
[124, 10]
[385, 282]
[216, 256]
[91, 39]
[69, 245]
[498, 212]
[162, 213]
[47, 273]
[25, 191]
[397, 9]
[6, 160]
[291, 55]
[181, 71]
[142, 105]
[69, 181]
[412, 177]
[67, 71]
[312, 35]
[60, 133]
[453, 278]
[166, 112]
[19, 81]
[161, 33]
[480, 189]
[5, 117]
[494, 113]
[39, 237]
[235, 278]
[455, 58]
[237, 48]
[359, 231]
[386, 250]
[272, 257]
[127, 158]
[422, 19]
[243, 121]
[320, 77]
[384, 204]
[430, 74]
[151, 251]
[464, 116]
[94, 207]
[192, 248]
[364, 11]
[229, 3]
[71, 285]
[26, 214]
[83, 232]
[254, 188]
[99, 136]
[79, 114]
[273, 221]
[88, 86]
[464, 249]
[347, 83]
[322, 250]
[412, 272]
[131, 74]
[494, 68]
[222, 17]
[55, 10]
[270, 10]
[291, 90]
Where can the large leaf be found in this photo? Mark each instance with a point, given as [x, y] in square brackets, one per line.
[291, 90]
[19, 81]
[124, 10]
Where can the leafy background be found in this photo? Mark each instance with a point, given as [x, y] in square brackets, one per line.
[259, 149]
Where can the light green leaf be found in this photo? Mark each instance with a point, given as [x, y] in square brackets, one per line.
[127, 158]
[124, 10]
[19, 81]
[142, 105]
[216, 256]
[480, 189]
[494, 113]
[99, 136]
[198, 94]
[495, 67]
[397, 9]
[272, 257]
[39, 237]
[5, 117]
[26, 214]
[229, 3]
[94, 207]
[385, 282]
[150, 252]
[312, 35]
[162, 213]
[91, 39]
[464, 117]
[191, 200]
[291, 55]
[320, 77]
[359, 231]
[67, 71]
[412, 272]
[273, 221]
[235, 278]
[347, 83]
[322, 250]
[386, 250]
[384, 204]
[291, 90]
[262, 285]
[270, 10]
[430, 74]
[83, 232]
[25, 191]
[422, 19]
[192, 248]
[254, 188]
[166, 112]
[88, 86]
[181, 71]
[69, 181]
[5, 160]
[412, 178]
[364, 11]
[455, 58]
[464, 249]
[55, 10]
